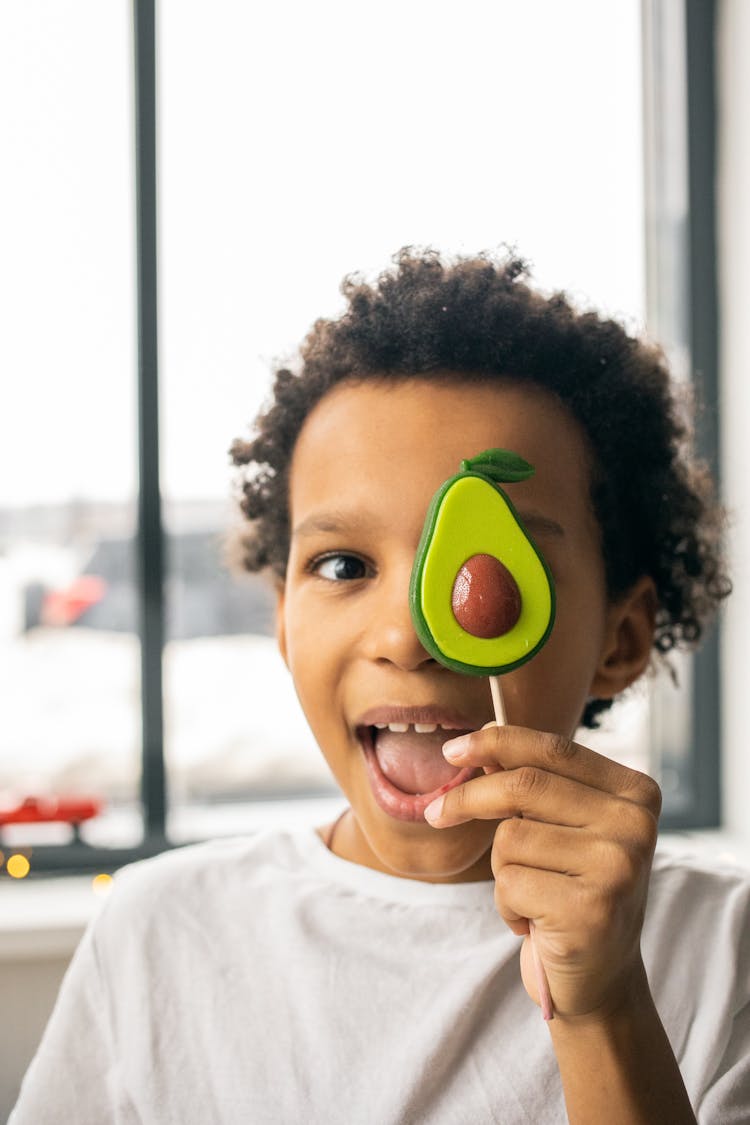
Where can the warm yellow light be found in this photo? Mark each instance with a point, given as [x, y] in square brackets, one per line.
[101, 884]
[18, 866]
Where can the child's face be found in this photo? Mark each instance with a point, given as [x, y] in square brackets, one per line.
[365, 467]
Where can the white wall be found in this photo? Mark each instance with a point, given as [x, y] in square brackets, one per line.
[28, 987]
[734, 281]
[41, 923]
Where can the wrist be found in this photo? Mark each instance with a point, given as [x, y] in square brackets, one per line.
[616, 1063]
[627, 1004]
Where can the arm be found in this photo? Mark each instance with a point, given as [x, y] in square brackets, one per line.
[572, 852]
[621, 1068]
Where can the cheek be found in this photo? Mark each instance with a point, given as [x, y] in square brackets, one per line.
[299, 655]
[549, 693]
[312, 640]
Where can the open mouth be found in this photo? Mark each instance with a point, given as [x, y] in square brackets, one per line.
[406, 768]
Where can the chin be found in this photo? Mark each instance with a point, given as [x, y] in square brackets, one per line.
[446, 855]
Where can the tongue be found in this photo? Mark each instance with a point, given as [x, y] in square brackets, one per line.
[413, 762]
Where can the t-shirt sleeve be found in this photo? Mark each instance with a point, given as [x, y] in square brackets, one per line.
[696, 943]
[727, 941]
[73, 1076]
[728, 1099]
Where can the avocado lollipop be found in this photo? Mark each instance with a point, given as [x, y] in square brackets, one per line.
[481, 596]
[482, 599]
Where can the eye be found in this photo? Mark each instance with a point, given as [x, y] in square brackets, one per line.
[340, 568]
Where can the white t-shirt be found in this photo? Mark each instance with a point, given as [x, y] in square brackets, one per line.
[265, 980]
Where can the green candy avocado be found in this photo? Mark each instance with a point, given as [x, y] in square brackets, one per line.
[481, 596]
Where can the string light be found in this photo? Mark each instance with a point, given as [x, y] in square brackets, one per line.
[18, 866]
[101, 884]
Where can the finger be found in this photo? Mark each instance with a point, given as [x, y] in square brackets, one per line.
[489, 767]
[526, 791]
[524, 894]
[511, 747]
[617, 868]
[546, 847]
[569, 916]
[544, 797]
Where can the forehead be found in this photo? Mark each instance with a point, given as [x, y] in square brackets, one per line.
[406, 438]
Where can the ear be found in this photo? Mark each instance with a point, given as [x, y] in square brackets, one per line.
[279, 621]
[629, 636]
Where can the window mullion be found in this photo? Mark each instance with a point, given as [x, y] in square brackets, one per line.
[150, 538]
[700, 49]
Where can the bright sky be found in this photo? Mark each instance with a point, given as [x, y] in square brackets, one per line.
[298, 142]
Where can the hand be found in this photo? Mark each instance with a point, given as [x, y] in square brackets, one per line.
[572, 852]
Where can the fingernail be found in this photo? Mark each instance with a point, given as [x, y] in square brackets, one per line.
[434, 810]
[457, 747]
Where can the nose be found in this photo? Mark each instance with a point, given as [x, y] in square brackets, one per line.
[391, 635]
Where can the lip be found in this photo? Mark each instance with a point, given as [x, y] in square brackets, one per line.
[393, 801]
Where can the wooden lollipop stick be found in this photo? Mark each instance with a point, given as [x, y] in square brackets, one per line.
[545, 997]
[497, 701]
[542, 984]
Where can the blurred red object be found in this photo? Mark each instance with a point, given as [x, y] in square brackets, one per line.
[63, 607]
[37, 810]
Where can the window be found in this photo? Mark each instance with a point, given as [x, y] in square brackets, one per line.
[294, 145]
[680, 143]
[70, 713]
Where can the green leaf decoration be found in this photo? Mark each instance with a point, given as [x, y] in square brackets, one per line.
[500, 465]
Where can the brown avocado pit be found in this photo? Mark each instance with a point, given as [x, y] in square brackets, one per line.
[485, 599]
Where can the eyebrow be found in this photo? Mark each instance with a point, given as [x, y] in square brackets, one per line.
[536, 522]
[326, 522]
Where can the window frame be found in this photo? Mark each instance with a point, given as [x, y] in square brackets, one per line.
[679, 58]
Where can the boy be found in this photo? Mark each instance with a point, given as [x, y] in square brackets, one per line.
[370, 973]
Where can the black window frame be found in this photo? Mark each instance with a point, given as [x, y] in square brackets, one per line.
[679, 59]
[696, 253]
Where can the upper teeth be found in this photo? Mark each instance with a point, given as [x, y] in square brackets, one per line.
[401, 728]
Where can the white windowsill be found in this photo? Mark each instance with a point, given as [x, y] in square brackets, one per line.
[45, 918]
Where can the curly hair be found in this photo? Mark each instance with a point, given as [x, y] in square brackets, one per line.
[479, 319]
